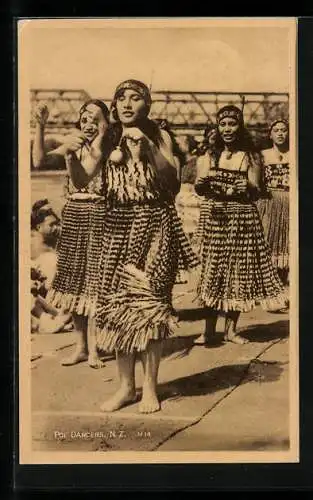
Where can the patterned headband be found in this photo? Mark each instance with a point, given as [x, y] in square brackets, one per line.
[137, 86]
[279, 120]
[232, 112]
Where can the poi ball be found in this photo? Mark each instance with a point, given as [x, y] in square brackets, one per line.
[116, 156]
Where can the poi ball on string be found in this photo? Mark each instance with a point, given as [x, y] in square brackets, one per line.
[116, 156]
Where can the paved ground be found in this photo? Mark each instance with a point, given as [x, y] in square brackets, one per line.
[226, 397]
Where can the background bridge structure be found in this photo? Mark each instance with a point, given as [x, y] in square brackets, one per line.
[187, 112]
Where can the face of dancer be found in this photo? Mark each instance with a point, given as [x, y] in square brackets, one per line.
[228, 128]
[90, 120]
[130, 107]
[279, 134]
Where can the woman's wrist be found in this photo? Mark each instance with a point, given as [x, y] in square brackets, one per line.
[69, 155]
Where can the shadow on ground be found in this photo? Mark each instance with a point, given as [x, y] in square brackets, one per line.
[182, 345]
[266, 332]
[219, 378]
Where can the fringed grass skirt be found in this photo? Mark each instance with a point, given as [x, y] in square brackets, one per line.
[237, 272]
[143, 249]
[274, 214]
[75, 284]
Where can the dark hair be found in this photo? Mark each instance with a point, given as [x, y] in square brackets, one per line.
[39, 213]
[96, 102]
[39, 204]
[107, 142]
[281, 120]
[243, 142]
[138, 87]
[192, 144]
[177, 152]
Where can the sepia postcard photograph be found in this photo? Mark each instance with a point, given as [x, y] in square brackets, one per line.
[158, 240]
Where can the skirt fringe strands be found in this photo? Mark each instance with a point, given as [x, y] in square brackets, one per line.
[237, 273]
[274, 214]
[143, 249]
[78, 251]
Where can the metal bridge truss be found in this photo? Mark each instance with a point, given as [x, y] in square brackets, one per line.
[186, 112]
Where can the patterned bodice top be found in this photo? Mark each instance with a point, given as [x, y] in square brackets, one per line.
[225, 174]
[224, 179]
[276, 170]
[131, 182]
[94, 187]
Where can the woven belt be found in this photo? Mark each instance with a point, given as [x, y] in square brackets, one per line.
[85, 197]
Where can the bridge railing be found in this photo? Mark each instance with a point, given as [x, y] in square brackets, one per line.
[187, 112]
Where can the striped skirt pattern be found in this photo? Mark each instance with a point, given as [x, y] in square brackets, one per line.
[237, 272]
[78, 252]
[274, 213]
[143, 249]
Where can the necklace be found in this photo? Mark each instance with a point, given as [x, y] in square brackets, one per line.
[279, 155]
[229, 155]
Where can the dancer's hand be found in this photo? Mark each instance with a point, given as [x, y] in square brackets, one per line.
[136, 141]
[133, 133]
[74, 142]
[96, 143]
[41, 114]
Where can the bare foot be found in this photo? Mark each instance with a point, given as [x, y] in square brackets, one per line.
[236, 339]
[149, 402]
[78, 356]
[95, 362]
[202, 340]
[122, 398]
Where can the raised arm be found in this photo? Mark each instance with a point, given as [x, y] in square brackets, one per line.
[83, 170]
[39, 155]
[40, 117]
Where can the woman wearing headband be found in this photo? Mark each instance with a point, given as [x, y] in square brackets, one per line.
[237, 272]
[274, 206]
[74, 285]
[143, 246]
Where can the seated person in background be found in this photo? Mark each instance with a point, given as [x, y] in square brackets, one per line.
[44, 229]
[45, 221]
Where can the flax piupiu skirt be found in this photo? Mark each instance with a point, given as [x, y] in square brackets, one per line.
[237, 272]
[143, 248]
[274, 214]
[74, 286]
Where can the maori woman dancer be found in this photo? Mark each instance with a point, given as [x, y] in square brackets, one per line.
[274, 206]
[237, 272]
[143, 246]
[75, 283]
